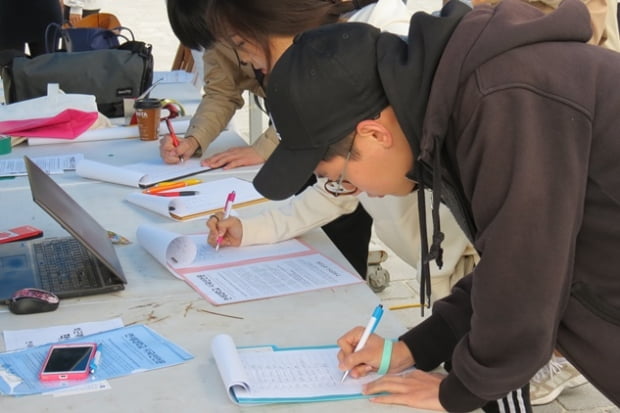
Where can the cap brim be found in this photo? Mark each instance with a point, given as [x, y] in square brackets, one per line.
[286, 171]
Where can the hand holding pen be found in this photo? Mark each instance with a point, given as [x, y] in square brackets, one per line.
[231, 228]
[227, 208]
[370, 328]
[174, 150]
[173, 137]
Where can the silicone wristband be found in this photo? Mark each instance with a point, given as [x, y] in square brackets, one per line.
[386, 358]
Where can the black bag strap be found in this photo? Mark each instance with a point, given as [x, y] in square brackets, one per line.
[53, 34]
[119, 32]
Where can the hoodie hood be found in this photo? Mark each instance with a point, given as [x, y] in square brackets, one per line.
[416, 61]
[485, 34]
[450, 47]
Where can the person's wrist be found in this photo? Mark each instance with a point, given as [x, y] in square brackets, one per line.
[192, 142]
[401, 356]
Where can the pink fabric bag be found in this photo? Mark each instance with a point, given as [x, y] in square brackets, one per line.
[57, 115]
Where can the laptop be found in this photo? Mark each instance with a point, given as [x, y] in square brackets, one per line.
[83, 264]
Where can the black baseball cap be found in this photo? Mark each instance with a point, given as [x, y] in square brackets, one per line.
[319, 90]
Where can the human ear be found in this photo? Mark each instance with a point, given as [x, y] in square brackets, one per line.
[377, 131]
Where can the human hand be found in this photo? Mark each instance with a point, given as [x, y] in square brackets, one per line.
[74, 18]
[417, 389]
[367, 359]
[234, 158]
[174, 154]
[230, 229]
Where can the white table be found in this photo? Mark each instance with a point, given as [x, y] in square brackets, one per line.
[155, 298]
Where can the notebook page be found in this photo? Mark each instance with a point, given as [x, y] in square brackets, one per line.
[300, 374]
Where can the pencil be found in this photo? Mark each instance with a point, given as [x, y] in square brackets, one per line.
[404, 306]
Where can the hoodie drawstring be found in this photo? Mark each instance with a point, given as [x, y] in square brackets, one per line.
[435, 252]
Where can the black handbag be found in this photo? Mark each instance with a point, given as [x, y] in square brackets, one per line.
[109, 74]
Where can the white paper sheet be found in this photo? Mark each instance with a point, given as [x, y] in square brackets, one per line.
[17, 339]
[166, 246]
[138, 174]
[279, 375]
[50, 164]
[234, 274]
[211, 197]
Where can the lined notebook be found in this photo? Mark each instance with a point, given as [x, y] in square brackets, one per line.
[261, 375]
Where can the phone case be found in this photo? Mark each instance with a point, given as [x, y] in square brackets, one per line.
[68, 362]
[20, 233]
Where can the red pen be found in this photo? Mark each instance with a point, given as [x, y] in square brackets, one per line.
[227, 207]
[173, 136]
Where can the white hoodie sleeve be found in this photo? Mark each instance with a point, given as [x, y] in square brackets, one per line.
[310, 209]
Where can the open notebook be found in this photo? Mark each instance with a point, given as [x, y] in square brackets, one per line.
[236, 274]
[260, 375]
[142, 175]
[210, 198]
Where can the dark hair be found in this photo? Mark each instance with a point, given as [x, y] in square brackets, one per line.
[201, 22]
[341, 148]
[344, 145]
[188, 23]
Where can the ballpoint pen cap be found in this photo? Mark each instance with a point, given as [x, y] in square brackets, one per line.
[378, 311]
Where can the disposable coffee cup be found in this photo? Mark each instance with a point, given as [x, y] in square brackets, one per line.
[148, 112]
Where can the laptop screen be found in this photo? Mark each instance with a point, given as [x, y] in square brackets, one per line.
[79, 223]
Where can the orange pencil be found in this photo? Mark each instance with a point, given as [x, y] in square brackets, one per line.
[172, 185]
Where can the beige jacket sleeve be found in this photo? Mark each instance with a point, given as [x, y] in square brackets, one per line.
[310, 209]
[266, 143]
[225, 80]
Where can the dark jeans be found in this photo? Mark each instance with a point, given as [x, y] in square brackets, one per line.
[351, 235]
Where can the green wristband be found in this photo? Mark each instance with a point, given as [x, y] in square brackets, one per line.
[386, 358]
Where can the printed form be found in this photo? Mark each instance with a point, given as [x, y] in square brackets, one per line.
[238, 274]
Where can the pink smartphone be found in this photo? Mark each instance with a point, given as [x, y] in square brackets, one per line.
[68, 362]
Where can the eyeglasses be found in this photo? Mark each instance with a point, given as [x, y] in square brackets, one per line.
[342, 186]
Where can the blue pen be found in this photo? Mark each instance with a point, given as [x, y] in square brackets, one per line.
[370, 328]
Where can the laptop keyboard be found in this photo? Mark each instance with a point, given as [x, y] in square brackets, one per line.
[65, 265]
